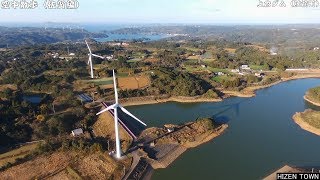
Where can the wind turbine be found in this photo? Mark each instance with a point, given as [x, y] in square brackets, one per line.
[115, 108]
[90, 59]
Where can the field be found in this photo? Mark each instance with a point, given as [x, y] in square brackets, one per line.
[206, 57]
[102, 81]
[230, 50]
[261, 48]
[256, 67]
[10, 86]
[197, 68]
[67, 165]
[133, 82]
[12, 156]
[134, 60]
[220, 78]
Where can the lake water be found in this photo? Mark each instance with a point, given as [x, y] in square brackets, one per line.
[261, 137]
[35, 99]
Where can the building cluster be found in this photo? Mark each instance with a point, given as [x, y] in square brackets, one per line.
[123, 44]
[246, 69]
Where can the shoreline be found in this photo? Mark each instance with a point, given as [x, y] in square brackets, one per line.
[310, 101]
[304, 125]
[245, 93]
[176, 152]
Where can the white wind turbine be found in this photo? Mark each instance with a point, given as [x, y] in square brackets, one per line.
[90, 59]
[115, 108]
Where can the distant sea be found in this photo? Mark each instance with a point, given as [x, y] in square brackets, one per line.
[122, 37]
[97, 28]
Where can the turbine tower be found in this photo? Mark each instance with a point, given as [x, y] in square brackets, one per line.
[90, 59]
[115, 108]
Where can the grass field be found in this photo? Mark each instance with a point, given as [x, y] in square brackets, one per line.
[197, 68]
[21, 152]
[256, 67]
[102, 81]
[220, 78]
[312, 118]
[134, 60]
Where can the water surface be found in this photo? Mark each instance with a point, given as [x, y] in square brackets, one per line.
[261, 136]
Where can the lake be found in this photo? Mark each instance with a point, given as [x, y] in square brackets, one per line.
[35, 99]
[261, 137]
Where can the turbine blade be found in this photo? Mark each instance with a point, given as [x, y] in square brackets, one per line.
[134, 117]
[88, 46]
[115, 87]
[106, 109]
[98, 56]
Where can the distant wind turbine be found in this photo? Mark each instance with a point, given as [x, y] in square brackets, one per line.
[115, 108]
[90, 59]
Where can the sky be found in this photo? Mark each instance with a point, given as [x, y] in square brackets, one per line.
[165, 11]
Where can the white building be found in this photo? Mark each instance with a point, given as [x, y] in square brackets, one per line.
[301, 69]
[235, 70]
[245, 67]
[77, 132]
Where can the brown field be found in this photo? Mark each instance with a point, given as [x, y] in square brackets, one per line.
[230, 50]
[21, 152]
[10, 86]
[136, 82]
[261, 48]
[65, 166]
[151, 60]
[194, 57]
[104, 127]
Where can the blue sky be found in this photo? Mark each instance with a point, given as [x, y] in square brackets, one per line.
[166, 11]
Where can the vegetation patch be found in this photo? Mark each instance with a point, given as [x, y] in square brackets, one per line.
[312, 118]
[314, 94]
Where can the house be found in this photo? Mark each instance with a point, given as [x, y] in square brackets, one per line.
[109, 57]
[259, 75]
[245, 67]
[220, 73]
[77, 132]
[316, 48]
[72, 54]
[204, 66]
[171, 129]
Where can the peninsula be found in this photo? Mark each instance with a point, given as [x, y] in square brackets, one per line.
[309, 120]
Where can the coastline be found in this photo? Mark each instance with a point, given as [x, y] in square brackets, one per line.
[245, 93]
[304, 125]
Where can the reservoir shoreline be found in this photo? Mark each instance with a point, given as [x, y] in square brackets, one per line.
[245, 93]
[304, 125]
